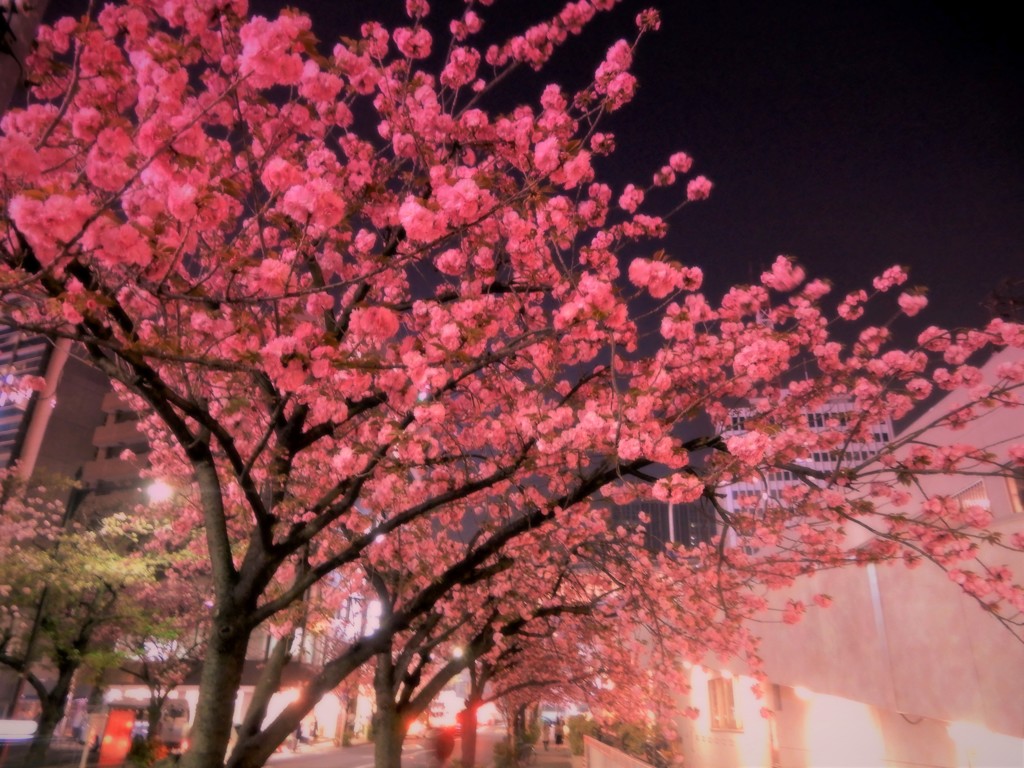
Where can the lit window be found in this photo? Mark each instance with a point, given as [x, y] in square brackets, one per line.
[1015, 488]
[973, 495]
[723, 705]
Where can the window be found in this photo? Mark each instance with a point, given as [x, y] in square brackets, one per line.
[723, 705]
[815, 420]
[1015, 487]
[738, 423]
[973, 495]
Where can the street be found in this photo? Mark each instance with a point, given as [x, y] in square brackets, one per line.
[416, 753]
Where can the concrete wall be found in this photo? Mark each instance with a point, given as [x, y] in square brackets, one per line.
[597, 754]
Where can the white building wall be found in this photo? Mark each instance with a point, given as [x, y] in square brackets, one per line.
[902, 670]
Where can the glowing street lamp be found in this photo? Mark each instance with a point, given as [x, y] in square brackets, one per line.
[159, 491]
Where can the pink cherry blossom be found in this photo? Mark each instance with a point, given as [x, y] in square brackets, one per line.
[414, 43]
[912, 303]
[268, 55]
[784, 276]
[49, 223]
[421, 224]
[648, 20]
[698, 189]
[376, 323]
[19, 159]
[461, 68]
[417, 8]
[577, 170]
[892, 277]
[631, 198]
[546, 155]
[181, 202]
[678, 488]
[680, 162]
[665, 177]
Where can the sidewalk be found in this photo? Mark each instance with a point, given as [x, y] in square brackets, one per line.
[307, 748]
[555, 756]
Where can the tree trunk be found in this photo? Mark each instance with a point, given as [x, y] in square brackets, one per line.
[479, 674]
[52, 705]
[219, 682]
[388, 728]
[154, 710]
[388, 735]
[469, 723]
[519, 725]
[268, 683]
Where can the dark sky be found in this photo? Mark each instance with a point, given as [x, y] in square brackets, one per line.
[852, 135]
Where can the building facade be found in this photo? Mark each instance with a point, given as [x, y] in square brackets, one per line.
[903, 669]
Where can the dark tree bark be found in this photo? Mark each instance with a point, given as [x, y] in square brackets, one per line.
[388, 728]
[221, 677]
[53, 700]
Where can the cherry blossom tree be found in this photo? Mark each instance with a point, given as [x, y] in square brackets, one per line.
[163, 640]
[71, 585]
[376, 320]
[483, 630]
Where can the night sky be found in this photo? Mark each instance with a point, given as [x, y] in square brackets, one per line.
[851, 135]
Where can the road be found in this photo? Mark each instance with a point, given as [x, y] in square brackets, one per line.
[416, 753]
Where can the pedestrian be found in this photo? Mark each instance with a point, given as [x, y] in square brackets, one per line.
[559, 732]
[549, 731]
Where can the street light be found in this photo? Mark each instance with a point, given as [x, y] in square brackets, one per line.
[159, 491]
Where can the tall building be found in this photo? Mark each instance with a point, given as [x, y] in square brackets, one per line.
[48, 435]
[21, 355]
[686, 524]
[49, 431]
[837, 412]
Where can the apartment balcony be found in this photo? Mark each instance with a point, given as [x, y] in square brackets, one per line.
[113, 470]
[118, 435]
[112, 403]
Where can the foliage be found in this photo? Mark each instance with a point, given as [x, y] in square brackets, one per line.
[142, 753]
[579, 726]
[504, 755]
[630, 737]
[70, 573]
[85, 591]
[532, 732]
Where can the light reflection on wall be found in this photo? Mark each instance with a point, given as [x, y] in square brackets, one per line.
[841, 732]
[716, 748]
[977, 746]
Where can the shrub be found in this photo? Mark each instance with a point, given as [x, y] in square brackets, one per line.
[579, 726]
[504, 755]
